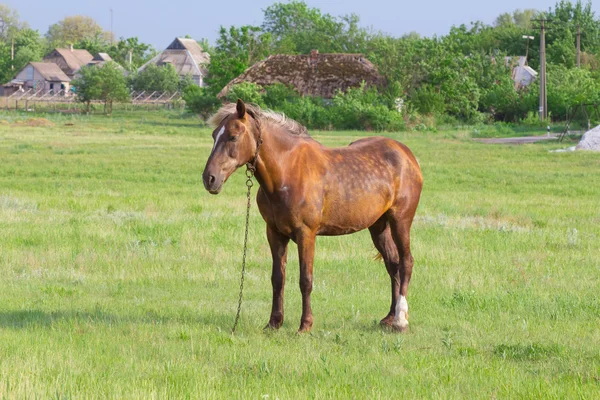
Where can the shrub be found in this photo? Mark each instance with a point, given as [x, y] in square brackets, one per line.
[199, 101]
[247, 91]
[278, 94]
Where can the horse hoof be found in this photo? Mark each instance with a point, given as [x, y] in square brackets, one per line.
[272, 326]
[387, 321]
[400, 326]
[304, 329]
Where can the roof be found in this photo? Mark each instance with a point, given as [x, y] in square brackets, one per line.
[102, 57]
[515, 61]
[311, 74]
[75, 59]
[185, 55]
[50, 71]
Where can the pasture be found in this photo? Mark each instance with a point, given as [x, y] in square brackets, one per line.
[119, 274]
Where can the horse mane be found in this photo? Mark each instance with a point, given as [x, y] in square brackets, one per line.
[275, 118]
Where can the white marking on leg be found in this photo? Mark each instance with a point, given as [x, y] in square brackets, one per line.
[218, 137]
[401, 318]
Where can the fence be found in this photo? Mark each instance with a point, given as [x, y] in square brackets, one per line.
[61, 101]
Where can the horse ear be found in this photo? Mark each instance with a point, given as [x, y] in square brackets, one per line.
[241, 109]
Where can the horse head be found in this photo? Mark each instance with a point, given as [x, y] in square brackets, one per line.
[235, 144]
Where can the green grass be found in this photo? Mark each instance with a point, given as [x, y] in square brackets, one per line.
[120, 274]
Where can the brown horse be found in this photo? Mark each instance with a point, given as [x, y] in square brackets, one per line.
[307, 190]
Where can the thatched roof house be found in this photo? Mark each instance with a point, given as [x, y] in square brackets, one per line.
[186, 56]
[311, 75]
[69, 60]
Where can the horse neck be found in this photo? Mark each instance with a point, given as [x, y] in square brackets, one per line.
[275, 148]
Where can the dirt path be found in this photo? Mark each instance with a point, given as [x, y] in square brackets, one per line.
[517, 140]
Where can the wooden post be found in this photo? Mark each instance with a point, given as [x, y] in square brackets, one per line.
[543, 110]
[578, 46]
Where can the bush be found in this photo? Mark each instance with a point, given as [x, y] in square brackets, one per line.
[357, 108]
[362, 108]
[249, 92]
[199, 101]
[426, 100]
[156, 79]
[278, 94]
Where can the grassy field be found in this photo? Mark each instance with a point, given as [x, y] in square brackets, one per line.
[119, 274]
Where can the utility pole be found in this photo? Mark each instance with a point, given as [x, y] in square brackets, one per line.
[543, 96]
[578, 46]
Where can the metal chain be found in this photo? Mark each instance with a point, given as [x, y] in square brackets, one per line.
[250, 170]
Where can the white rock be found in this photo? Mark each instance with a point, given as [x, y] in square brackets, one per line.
[590, 140]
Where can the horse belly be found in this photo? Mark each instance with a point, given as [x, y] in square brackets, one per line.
[352, 211]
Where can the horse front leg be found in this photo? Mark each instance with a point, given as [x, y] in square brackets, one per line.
[278, 244]
[306, 253]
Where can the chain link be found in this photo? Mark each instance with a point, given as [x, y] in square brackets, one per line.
[250, 170]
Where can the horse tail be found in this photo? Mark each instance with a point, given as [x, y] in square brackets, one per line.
[378, 257]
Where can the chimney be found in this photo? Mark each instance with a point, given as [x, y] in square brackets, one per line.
[71, 47]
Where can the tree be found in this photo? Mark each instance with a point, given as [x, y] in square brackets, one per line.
[298, 28]
[29, 46]
[75, 29]
[199, 101]
[139, 52]
[105, 83]
[87, 85]
[156, 78]
[519, 18]
[9, 22]
[236, 50]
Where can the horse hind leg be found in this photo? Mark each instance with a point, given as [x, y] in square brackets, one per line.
[384, 243]
[400, 224]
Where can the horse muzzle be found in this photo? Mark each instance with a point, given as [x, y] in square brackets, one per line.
[213, 184]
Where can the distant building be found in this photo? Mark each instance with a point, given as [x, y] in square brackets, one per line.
[522, 74]
[100, 59]
[41, 76]
[186, 56]
[69, 60]
[312, 74]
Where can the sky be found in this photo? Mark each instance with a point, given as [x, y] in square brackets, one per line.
[159, 22]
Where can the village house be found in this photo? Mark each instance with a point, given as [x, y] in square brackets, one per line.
[41, 76]
[522, 74]
[100, 59]
[312, 74]
[186, 56]
[69, 60]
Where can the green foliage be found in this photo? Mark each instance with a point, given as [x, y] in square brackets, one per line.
[428, 100]
[278, 94]
[362, 108]
[199, 101]
[156, 78]
[236, 50]
[298, 28]
[87, 85]
[105, 83]
[77, 29]
[140, 53]
[570, 87]
[249, 92]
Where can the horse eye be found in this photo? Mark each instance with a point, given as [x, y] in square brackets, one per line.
[233, 138]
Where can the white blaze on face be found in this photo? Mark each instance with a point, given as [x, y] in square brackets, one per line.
[218, 137]
[401, 318]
